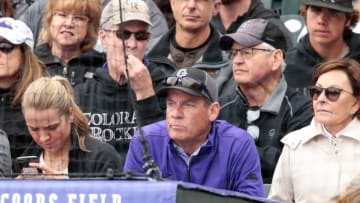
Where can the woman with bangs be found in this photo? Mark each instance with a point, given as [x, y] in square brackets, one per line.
[67, 38]
[18, 68]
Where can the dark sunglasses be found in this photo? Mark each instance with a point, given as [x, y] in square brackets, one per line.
[331, 93]
[6, 47]
[188, 83]
[125, 34]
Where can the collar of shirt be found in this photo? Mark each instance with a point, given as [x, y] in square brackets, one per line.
[274, 102]
[184, 156]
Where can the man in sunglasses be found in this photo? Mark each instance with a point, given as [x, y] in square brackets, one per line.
[191, 145]
[192, 42]
[329, 25]
[34, 14]
[122, 87]
[260, 100]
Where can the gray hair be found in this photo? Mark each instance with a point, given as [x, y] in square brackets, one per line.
[268, 46]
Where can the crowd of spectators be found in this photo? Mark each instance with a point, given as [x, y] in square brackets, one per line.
[185, 88]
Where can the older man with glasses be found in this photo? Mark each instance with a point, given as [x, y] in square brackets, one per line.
[260, 100]
[191, 145]
[107, 99]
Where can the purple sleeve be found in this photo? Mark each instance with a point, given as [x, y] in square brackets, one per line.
[246, 170]
[134, 162]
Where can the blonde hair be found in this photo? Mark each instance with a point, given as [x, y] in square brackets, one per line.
[31, 69]
[268, 46]
[90, 8]
[351, 193]
[56, 92]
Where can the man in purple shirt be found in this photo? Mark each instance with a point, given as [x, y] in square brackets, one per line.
[191, 145]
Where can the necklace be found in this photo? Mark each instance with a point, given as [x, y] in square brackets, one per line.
[57, 164]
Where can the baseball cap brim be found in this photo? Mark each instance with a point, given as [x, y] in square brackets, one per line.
[328, 5]
[16, 32]
[130, 17]
[163, 91]
[9, 36]
[244, 39]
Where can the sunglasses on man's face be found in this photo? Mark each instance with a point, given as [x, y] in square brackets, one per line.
[188, 83]
[6, 47]
[125, 34]
[331, 93]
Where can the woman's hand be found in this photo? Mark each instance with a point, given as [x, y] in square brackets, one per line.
[47, 173]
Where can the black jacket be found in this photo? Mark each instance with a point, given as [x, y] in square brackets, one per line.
[101, 157]
[256, 10]
[214, 61]
[13, 123]
[111, 115]
[285, 110]
[77, 70]
[302, 60]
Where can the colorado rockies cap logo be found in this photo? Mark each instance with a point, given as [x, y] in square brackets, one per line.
[182, 73]
[5, 25]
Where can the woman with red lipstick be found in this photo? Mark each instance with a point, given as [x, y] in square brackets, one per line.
[67, 38]
[319, 160]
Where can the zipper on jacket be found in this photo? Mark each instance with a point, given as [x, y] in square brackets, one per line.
[188, 170]
[72, 76]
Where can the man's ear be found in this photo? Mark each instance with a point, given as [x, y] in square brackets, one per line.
[214, 110]
[278, 58]
[103, 38]
[348, 22]
[217, 5]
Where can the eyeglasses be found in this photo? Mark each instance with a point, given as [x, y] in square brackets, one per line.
[251, 116]
[78, 19]
[6, 47]
[331, 93]
[125, 34]
[188, 83]
[246, 52]
[198, 1]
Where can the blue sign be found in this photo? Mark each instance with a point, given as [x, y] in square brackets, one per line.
[85, 191]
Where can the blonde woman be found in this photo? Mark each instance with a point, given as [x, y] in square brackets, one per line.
[61, 133]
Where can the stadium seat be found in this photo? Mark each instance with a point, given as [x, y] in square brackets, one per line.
[294, 23]
[267, 188]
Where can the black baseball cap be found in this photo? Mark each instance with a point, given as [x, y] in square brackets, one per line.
[192, 81]
[339, 5]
